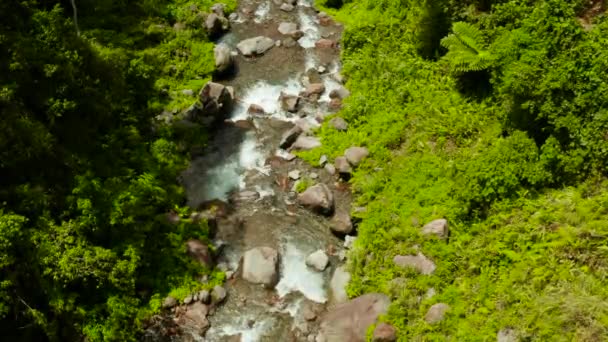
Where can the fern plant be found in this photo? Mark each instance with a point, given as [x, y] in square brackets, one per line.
[465, 49]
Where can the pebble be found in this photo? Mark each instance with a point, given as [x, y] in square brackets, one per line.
[349, 241]
[295, 174]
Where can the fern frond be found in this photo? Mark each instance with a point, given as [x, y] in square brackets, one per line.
[465, 49]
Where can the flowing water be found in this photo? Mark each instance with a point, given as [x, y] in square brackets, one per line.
[239, 161]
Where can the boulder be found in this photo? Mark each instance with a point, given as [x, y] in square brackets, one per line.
[223, 58]
[314, 89]
[194, 319]
[169, 302]
[256, 109]
[317, 260]
[349, 321]
[290, 137]
[188, 299]
[325, 44]
[506, 335]
[289, 102]
[339, 124]
[260, 266]
[339, 93]
[289, 42]
[255, 46]
[312, 76]
[200, 252]
[335, 104]
[294, 174]
[349, 241]
[214, 25]
[233, 16]
[355, 155]
[342, 166]
[219, 9]
[287, 7]
[418, 262]
[438, 228]
[341, 223]
[436, 313]
[330, 169]
[306, 143]
[204, 296]
[337, 285]
[384, 332]
[218, 294]
[323, 160]
[318, 198]
[290, 29]
[216, 102]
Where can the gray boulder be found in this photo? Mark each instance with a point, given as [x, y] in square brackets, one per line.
[223, 57]
[216, 25]
[317, 260]
[169, 302]
[438, 228]
[200, 252]
[290, 137]
[306, 143]
[341, 223]
[349, 321]
[419, 262]
[506, 335]
[204, 296]
[436, 313]
[255, 46]
[339, 124]
[342, 166]
[216, 101]
[260, 266]
[339, 93]
[384, 332]
[289, 102]
[218, 294]
[355, 155]
[290, 29]
[287, 7]
[314, 89]
[318, 198]
[219, 9]
[337, 285]
[194, 319]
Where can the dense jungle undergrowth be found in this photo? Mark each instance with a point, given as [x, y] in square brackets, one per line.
[493, 115]
[86, 179]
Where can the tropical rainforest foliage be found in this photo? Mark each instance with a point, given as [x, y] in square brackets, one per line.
[86, 179]
[491, 114]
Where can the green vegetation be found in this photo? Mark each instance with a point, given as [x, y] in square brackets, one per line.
[86, 250]
[491, 114]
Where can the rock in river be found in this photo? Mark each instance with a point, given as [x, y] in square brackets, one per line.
[255, 46]
[338, 283]
[317, 260]
[260, 266]
[318, 198]
[223, 57]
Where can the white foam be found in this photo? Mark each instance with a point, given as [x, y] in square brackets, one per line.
[262, 12]
[297, 277]
[239, 326]
[310, 29]
[267, 96]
